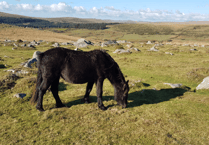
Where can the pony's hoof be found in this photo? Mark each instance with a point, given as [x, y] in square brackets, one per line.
[103, 108]
[87, 101]
[60, 106]
[40, 109]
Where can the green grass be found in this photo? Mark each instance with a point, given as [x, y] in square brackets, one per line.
[154, 116]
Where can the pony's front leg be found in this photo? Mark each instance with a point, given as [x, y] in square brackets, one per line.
[88, 90]
[99, 94]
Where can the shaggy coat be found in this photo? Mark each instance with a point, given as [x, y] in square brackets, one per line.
[78, 67]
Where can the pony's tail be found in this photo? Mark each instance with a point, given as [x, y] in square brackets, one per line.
[34, 98]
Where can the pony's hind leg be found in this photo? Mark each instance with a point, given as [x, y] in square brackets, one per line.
[42, 90]
[54, 90]
[88, 90]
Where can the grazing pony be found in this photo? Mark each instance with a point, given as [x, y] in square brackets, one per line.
[78, 67]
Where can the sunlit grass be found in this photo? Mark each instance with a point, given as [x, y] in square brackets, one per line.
[156, 113]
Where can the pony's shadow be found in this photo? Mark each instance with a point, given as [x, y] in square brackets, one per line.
[138, 98]
[93, 99]
[150, 96]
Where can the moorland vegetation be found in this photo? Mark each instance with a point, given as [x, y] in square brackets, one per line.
[156, 113]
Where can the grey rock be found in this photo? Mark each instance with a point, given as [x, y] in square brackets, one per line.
[23, 45]
[121, 51]
[193, 49]
[15, 45]
[20, 95]
[82, 43]
[173, 85]
[35, 54]
[134, 49]
[202, 45]
[30, 61]
[14, 48]
[169, 53]
[110, 42]
[56, 45]
[121, 41]
[153, 49]
[21, 72]
[149, 42]
[204, 84]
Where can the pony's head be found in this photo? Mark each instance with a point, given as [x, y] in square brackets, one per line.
[121, 94]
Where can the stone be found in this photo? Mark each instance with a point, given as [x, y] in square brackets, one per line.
[30, 61]
[23, 45]
[21, 72]
[193, 49]
[202, 45]
[121, 51]
[173, 85]
[31, 45]
[35, 54]
[204, 84]
[134, 49]
[169, 53]
[82, 43]
[20, 95]
[15, 45]
[56, 45]
[65, 43]
[121, 41]
[153, 49]
[14, 48]
[149, 42]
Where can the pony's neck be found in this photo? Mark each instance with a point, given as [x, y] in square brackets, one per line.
[117, 78]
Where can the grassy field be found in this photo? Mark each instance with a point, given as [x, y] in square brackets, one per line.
[156, 113]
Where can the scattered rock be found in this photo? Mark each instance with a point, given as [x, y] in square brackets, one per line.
[31, 45]
[65, 43]
[29, 62]
[185, 44]
[23, 45]
[134, 49]
[169, 53]
[196, 45]
[121, 41]
[110, 42]
[202, 45]
[40, 41]
[153, 49]
[173, 85]
[193, 49]
[56, 45]
[15, 45]
[121, 51]
[82, 43]
[35, 54]
[204, 84]
[20, 95]
[14, 48]
[149, 42]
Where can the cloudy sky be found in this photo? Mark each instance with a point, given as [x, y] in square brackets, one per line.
[136, 10]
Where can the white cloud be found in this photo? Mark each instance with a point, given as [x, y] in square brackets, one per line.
[4, 5]
[108, 12]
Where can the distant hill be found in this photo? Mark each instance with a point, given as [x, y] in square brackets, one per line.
[62, 22]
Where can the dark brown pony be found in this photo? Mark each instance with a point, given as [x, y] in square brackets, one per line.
[78, 67]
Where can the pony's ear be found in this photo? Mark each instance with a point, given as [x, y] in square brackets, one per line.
[127, 81]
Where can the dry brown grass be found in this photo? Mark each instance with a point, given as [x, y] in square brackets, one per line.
[31, 34]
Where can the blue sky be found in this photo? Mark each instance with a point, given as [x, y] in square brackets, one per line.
[152, 10]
